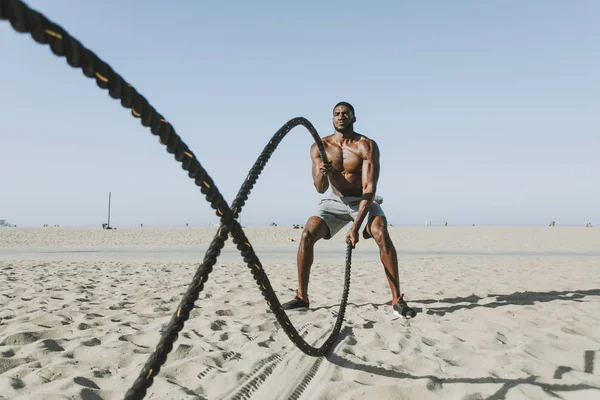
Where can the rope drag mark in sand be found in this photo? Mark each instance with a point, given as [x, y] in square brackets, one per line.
[43, 31]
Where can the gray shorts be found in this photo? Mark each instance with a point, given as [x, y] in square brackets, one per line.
[337, 212]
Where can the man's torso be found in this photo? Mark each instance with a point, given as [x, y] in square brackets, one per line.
[347, 158]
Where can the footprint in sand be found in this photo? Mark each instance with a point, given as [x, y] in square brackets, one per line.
[265, 343]
[80, 380]
[101, 373]
[351, 341]
[434, 384]
[52, 345]
[7, 354]
[22, 338]
[83, 326]
[369, 325]
[92, 342]
[89, 394]
[218, 325]
[16, 383]
[183, 350]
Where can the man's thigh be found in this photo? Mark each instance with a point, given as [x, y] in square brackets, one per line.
[375, 210]
[335, 213]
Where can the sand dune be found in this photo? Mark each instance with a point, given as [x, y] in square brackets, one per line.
[505, 321]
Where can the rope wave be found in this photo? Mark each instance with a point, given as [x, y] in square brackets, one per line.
[25, 20]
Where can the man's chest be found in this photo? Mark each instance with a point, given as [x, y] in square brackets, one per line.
[345, 158]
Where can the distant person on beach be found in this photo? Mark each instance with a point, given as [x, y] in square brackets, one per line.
[352, 173]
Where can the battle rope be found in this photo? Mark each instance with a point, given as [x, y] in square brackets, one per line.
[23, 19]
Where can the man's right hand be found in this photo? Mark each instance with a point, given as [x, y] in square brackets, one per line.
[326, 168]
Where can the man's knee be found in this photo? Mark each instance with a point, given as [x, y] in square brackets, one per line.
[379, 231]
[314, 230]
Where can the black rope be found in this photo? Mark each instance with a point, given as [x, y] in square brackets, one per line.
[23, 19]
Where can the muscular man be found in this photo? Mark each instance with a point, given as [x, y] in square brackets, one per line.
[353, 173]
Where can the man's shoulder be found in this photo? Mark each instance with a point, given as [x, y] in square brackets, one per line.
[326, 140]
[366, 143]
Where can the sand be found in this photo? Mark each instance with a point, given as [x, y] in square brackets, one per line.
[504, 313]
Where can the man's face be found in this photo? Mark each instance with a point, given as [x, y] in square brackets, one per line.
[343, 118]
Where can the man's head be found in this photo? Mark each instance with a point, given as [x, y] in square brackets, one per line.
[343, 117]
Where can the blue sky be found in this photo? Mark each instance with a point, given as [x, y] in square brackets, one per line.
[485, 112]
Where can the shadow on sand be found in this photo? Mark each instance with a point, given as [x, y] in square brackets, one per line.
[435, 383]
[518, 299]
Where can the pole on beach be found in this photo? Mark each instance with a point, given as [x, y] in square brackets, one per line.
[108, 225]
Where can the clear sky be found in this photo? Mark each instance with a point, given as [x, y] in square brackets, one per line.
[485, 112]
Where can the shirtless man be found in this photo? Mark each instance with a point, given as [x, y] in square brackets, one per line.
[353, 173]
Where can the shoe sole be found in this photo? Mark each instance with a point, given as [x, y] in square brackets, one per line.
[404, 317]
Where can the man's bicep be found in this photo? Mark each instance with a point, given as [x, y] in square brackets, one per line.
[371, 166]
[315, 157]
[369, 175]
[375, 158]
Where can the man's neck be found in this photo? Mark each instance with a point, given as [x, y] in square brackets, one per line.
[344, 136]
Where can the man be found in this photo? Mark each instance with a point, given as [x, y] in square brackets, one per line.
[352, 172]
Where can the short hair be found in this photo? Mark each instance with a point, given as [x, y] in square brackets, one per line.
[343, 103]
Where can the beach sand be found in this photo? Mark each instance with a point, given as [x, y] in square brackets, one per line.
[504, 313]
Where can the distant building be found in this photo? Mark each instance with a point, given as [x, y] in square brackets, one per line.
[4, 224]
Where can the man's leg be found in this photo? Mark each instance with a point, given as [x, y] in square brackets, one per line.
[387, 252]
[314, 230]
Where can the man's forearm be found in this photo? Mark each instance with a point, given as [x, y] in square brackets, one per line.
[334, 177]
[363, 209]
[321, 183]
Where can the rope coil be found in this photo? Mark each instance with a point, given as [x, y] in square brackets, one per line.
[43, 31]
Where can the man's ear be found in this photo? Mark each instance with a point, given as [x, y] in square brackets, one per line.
[353, 119]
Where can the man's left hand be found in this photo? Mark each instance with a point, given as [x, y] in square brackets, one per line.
[352, 236]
